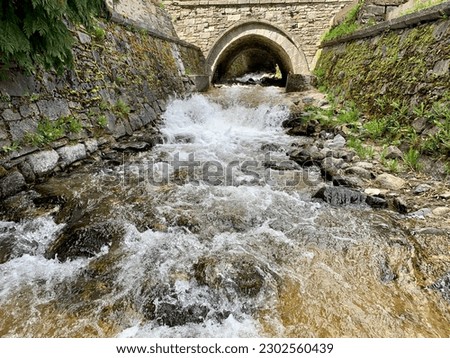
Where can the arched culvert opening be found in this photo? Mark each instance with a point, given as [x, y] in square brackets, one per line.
[254, 59]
[255, 45]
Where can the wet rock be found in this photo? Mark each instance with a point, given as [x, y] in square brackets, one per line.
[360, 172]
[445, 195]
[339, 196]
[12, 247]
[422, 188]
[152, 139]
[441, 211]
[282, 165]
[163, 305]
[304, 129]
[376, 202]
[132, 146]
[386, 273]
[43, 162]
[71, 153]
[84, 239]
[305, 157]
[442, 285]
[11, 184]
[392, 152]
[242, 274]
[400, 205]
[389, 181]
[19, 207]
[184, 138]
[271, 147]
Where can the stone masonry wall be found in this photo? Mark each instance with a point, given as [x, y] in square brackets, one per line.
[202, 22]
[405, 60]
[120, 83]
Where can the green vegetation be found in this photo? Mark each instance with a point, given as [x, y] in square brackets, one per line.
[98, 33]
[102, 121]
[49, 131]
[11, 148]
[121, 107]
[34, 33]
[346, 27]
[420, 5]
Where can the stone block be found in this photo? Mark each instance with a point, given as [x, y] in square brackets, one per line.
[29, 110]
[43, 162]
[9, 115]
[71, 153]
[19, 129]
[54, 109]
[91, 145]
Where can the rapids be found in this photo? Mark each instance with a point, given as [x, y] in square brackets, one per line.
[211, 241]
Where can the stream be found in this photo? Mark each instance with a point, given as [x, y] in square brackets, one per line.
[205, 236]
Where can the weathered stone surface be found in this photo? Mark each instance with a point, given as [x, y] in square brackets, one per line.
[376, 202]
[421, 188]
[443, 286]
[9, 115]
[91, 145]
[348, 181]
[132, 146]
[339, 196]
[84, 38]
[441, 211]
[401, 205]
[392, 152]
[338, 142]
[71, 153]
[19, 129]
[54, 109]
[389, 181]
[11, 184]
[296, 83]
[43, 162]
[360, 172]
[29, 110]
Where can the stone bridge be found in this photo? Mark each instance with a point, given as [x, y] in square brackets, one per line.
[247, 35]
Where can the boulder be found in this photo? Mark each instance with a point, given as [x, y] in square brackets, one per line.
[389, 181]
[43, 162]
[11, 184]
[392, 152]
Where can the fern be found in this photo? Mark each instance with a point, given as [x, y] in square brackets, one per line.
[35, 33]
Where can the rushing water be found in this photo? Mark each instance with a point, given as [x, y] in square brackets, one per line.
[213, 243]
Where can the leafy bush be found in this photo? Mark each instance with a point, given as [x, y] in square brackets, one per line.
[35, 33]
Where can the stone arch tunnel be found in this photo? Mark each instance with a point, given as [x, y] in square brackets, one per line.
[255, 46]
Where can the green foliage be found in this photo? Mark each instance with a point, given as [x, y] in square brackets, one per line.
[11, 148]
[49, 131]
[35, 33]
[363, 151]
[393, 165]
[98, 33]
[411, 159]
[121, 107]
[421, 5]
[346, 27]
[102, 121]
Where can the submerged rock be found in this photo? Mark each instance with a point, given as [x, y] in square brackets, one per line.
[443, 286]
[340, 195]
